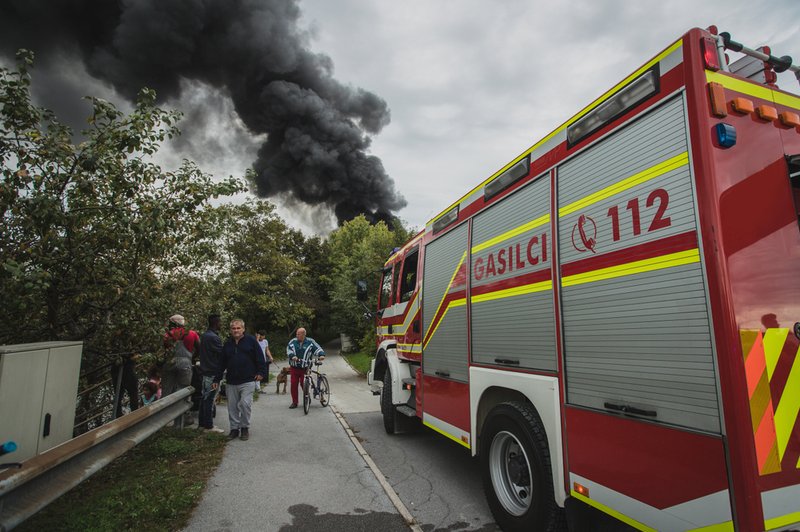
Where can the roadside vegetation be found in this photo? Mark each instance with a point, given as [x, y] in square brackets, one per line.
[100, 243]
[359, 361]
[155, 486]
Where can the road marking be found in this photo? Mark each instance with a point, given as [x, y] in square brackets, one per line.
[406, 515]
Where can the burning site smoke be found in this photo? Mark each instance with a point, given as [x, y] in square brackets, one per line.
[317, 130]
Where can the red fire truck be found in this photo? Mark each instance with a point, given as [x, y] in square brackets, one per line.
[610, 321]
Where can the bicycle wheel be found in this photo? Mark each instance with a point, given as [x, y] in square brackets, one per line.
[324, 390]
[306, 395]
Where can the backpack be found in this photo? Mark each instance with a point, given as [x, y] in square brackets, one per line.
[181, 356]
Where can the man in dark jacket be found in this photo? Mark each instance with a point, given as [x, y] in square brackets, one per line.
[210, 354]
[242, 358]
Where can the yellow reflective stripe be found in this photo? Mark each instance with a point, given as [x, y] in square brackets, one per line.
[410, 348]
[784, 520]
[727, 526]
[605, 96]
[524, 228]
[411, 313]
[446, 290]
[773, 345]
[631, 268]
[515, 291]
[788, 407]
[603, 508]
[636, 179]
[753, 89]
[443, 433]
[739, 85]
[786, 99]
[454, 303]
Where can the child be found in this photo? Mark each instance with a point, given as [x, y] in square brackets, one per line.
[150, 392]
[154, 377]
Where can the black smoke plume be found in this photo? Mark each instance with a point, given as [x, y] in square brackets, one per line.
[317, 129]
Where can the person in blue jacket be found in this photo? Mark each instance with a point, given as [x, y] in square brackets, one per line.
[244, 361]
[300, 353]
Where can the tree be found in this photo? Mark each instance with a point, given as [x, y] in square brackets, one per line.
[358, 251]
[316, 257]
[96, 237]
[266, 282]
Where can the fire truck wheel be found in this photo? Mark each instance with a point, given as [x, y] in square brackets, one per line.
[515, 465]
[387, 408]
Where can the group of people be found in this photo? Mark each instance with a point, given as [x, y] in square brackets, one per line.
[242, 359]
[123, 376]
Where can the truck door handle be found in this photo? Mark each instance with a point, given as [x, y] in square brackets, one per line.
[442, 373]
[46, 431]
[627, 409]
[507, 361]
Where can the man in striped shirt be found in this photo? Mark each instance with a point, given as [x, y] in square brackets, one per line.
[300, 353]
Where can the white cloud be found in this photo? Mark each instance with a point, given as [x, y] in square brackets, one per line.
[473, 83]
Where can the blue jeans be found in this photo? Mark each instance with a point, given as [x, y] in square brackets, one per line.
[206, 414]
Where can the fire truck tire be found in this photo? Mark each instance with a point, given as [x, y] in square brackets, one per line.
[387, 408]
[516, 470]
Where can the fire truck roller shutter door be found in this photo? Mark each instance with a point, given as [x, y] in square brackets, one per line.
[444, 306]
[513, 236]
[636, 324]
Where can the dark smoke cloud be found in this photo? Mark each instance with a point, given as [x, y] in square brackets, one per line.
[317, 129]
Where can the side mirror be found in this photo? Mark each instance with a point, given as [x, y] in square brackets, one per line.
[361, 290]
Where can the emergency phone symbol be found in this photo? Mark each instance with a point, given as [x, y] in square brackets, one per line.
[587, 234]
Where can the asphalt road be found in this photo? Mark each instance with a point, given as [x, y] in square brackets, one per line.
[437, 479]
[299, 472]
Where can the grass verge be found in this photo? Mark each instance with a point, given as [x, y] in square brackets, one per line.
[154, 486]
[359, 361]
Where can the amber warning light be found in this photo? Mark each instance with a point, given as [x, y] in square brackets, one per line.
[580, 489]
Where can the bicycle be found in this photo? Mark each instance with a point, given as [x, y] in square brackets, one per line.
[320, 388]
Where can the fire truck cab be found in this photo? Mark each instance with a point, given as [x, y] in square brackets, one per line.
[611, 321]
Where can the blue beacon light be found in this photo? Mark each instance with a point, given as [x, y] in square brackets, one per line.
[726, 135]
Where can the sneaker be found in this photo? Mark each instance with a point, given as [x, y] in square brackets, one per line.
[233, 434]
[293, 405]
[215, 429]
[245, 434]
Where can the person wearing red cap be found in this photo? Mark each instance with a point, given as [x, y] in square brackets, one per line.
[180, 345]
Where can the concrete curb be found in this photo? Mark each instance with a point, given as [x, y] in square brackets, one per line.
[401, 508]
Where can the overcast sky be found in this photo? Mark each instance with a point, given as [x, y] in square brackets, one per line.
[473, 83]
[470, 84]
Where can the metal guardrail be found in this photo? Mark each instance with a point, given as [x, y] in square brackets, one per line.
[92, 412]
[43, 478]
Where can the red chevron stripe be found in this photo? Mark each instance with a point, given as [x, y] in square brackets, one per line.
[511, 282]
[648, 250]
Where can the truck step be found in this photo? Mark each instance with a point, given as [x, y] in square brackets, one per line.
[406, 411]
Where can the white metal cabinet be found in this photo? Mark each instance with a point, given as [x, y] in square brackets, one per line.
[38, 389]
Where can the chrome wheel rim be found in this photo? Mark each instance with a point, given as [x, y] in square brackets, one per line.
[510, 470]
